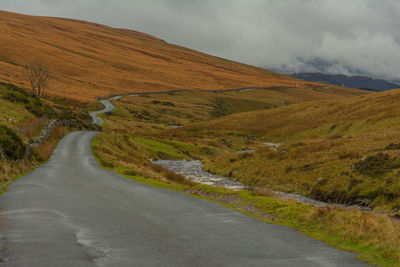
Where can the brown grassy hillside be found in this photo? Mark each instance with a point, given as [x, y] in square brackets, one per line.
[348, 116]
[89, 60]
[345, 150]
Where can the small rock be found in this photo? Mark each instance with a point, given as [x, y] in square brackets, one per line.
[321, 180]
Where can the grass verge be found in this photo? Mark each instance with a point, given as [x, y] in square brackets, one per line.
[373, 237]
[10, 170]
[322, 161]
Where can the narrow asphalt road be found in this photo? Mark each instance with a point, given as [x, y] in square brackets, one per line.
[107, 108]
[71, 212]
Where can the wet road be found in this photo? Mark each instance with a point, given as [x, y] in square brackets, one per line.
[107, 108]
[71, 212]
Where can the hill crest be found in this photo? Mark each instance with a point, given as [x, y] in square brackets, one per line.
[89, 60]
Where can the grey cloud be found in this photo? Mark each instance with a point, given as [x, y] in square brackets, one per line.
[357, 36]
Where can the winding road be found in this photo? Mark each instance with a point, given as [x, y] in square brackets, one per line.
[107, 108]
[71, 212]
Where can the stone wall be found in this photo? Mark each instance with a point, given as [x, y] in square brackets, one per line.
[46, 132]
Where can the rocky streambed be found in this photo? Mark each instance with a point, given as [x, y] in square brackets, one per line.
[192, 170]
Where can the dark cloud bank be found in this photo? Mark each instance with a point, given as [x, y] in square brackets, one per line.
[337, 36]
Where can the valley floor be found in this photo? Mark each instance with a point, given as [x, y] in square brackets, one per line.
[215, 127]
[228, 132]
[88, 216]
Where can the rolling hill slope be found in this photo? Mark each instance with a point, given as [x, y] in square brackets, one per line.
[343, 151]
[88, 60]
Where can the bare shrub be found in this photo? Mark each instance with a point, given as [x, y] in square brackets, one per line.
[38, 78]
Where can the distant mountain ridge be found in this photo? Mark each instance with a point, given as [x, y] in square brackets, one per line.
[360, 82]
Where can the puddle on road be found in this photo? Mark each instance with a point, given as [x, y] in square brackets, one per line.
[191, 170]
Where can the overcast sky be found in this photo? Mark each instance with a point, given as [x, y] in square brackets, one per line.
[345, 35]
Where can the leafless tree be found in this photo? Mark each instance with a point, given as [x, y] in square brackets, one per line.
[38, 78]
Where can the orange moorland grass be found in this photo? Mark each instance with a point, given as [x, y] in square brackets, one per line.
[373, 236]
[323, 138]
[352, 144]
[374, 230]
[30, 128]
[119, 153]
[185, 108]
[11, 168]
[45, 149]
[87, 60]
[378, 111]
[151, 115]
[139, 128]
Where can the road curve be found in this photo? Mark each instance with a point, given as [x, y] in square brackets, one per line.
[107, 108]
[71, 212]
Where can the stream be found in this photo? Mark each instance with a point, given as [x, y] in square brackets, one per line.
[192, 170]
